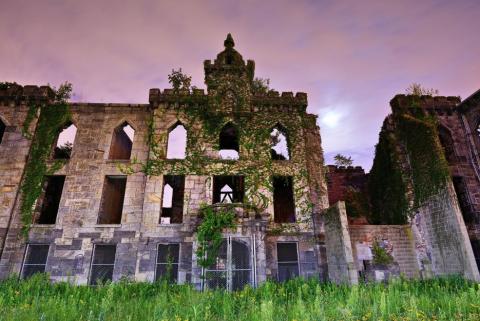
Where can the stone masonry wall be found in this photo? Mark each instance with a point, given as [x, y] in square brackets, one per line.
[341, 266]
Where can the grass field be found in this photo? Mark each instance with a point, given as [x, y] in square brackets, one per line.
[439, 299]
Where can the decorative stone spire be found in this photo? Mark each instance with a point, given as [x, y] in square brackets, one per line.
[229, 43]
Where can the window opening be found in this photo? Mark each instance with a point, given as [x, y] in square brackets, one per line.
[49, 201]
[167, 262]
[177, 142]
[103, 263]
[463, 198]
[279, 145]
[447, 144]
[65, 140]
[228, 189]
[283, 203]
[172, 199]
[287, 258]
[2, 130]
[35, 260]
[122, 141]
[111, 204]
[228, 145]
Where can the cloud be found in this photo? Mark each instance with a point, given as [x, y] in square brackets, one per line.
[351, 57]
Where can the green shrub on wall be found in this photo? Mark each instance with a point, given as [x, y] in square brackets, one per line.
[51, 120]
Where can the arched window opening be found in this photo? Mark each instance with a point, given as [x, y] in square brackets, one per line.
[65, 140]
[228, 145]
[226, 194]
[2, 130]
[177, 142]
[122, 141]
[172, 199]
[279, 144]
[446, 141]
[228, 189]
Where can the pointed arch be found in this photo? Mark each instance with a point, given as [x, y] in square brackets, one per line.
[447, 143]
[279, 146]
[122, 141]
[65, 141]
[229, 142]
[177, 141]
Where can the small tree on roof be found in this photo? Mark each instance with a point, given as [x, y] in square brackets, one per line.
[342, 160]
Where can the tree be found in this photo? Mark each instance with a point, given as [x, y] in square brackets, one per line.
[342, 160]
[179, 80]
[261, 85]
[416, 89]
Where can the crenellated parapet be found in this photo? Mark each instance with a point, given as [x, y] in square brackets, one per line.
[284, 102]
[431, 104]
[14, 93]
[171, 98]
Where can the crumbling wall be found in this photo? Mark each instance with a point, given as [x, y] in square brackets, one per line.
[401, 244]
[442, 237]
[341, 266]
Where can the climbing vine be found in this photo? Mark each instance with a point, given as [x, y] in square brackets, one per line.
[426, 171]
[52, 118]
[209, 233]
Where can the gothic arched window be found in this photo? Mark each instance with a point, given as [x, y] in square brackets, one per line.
[447, 143]
[228, 144]
[2, 129]
[122, 141]
[279, 144]
[177, 142]
[66, 138]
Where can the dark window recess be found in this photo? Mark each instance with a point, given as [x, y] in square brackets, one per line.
[103, 263]
[283, 204]
[167, 262]
[173, 191]
[287, 258]
[111, 205]
[228, 189]
[50, 200]
[229, 137]
[447, 144]
[35, 259]
[122, 141]
[463, 199]
[476, 251]
[64, 144]
[2, 130]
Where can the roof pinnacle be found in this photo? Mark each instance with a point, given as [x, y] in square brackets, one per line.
[229, 43]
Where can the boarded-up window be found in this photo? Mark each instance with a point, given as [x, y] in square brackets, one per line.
[103, 262]
[2, 130]
[122, 141]
[50, 200]
[167, 262]
[283, 204]
[228, 189]
[111, 205]
[35, 259]
[287, 258]
[172, 205]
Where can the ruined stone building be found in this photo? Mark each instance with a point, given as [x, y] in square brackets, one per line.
[126, 198]
[123, 188]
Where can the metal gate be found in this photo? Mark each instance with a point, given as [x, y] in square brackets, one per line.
[233, 268]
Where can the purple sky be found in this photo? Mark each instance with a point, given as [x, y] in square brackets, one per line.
[351, 57]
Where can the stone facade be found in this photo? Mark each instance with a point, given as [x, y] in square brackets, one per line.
[229, 97]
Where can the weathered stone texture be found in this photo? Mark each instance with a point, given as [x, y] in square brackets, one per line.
[341, 266]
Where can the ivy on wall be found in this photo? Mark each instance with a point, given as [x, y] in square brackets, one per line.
[426, 171]
[51, 120]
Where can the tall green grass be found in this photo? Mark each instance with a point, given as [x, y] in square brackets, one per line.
[438, 299]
